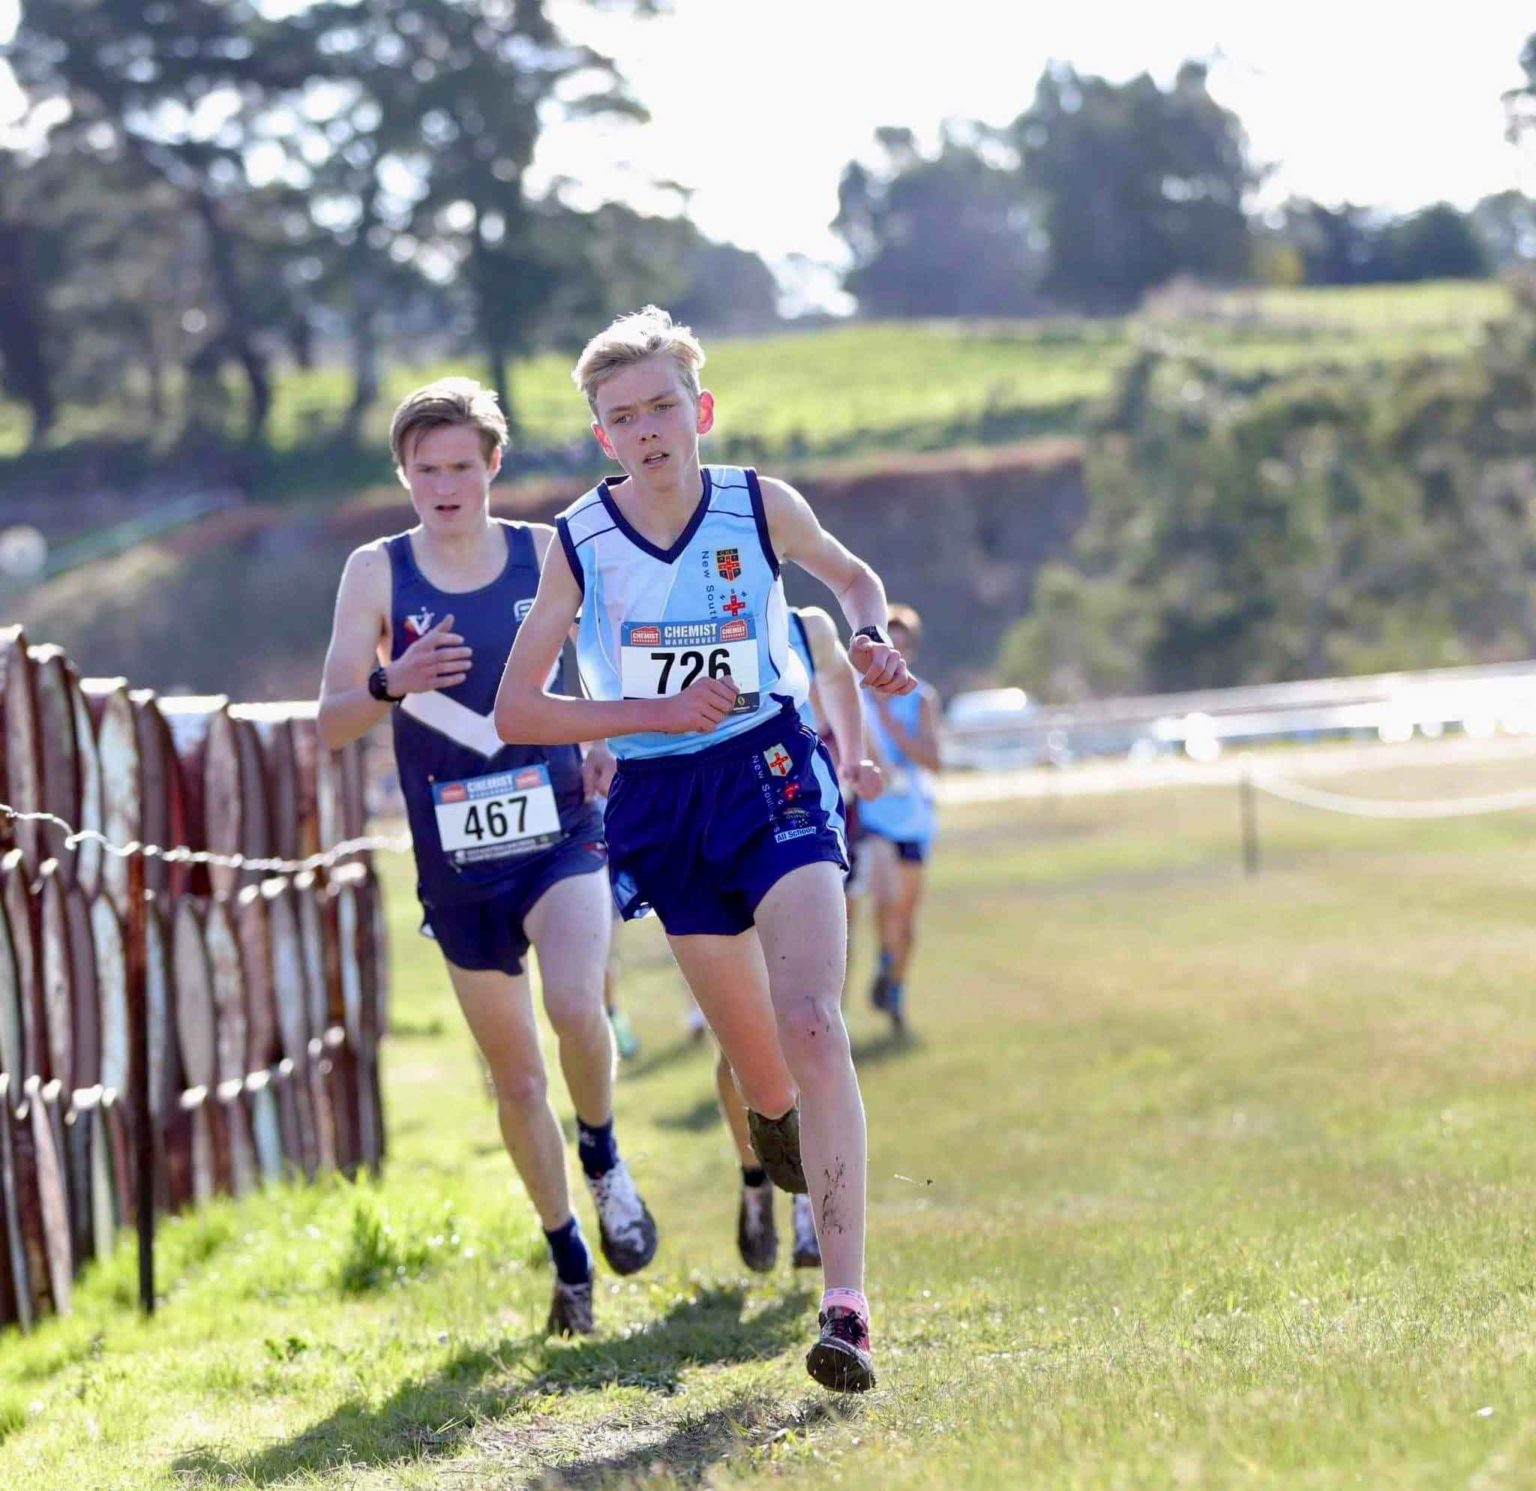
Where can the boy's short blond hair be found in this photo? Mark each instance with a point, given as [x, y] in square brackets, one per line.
[631, 339]
[449, 401]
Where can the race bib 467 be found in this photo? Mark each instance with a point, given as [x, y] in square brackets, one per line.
[498, 816]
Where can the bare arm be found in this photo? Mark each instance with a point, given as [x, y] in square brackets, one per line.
[921, 746]
[528, 713]
[835, 692]
[433, 661]
[798, 535]
[347, 709]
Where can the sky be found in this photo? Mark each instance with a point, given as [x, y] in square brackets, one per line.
[757, 108]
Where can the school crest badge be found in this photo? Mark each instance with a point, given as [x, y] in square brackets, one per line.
[728, 563]
[778, 760]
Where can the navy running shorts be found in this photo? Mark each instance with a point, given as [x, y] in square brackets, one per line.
[702, 837]
[489, 934]
[908, 851]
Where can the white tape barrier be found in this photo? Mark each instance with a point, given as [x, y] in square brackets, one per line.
[180, 854]
[1377, 807]
[1104, 777]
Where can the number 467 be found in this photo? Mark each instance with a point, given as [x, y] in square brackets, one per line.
[495, 822]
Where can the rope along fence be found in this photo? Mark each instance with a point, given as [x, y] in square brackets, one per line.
[193, 975]
[1370, 807]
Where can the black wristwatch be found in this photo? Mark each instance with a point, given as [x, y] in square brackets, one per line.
[378, 686]
[874, 634]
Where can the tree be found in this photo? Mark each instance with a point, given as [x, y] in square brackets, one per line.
[490, 74]
[1435, 243]
[166, 92]
[1338, 245]
[25, 373]
[941, 236]
[1505, 224]
[1133, 184]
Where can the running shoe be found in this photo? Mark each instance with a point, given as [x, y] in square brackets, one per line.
[625, 1040]
[570, 1311]
[896, 1007]
[757, 1235]
[776, 1143]
[624, 1223]
[807, 1246]
[880, 991]
[841, 1359]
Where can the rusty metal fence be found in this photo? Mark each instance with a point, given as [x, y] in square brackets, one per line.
[192, 963]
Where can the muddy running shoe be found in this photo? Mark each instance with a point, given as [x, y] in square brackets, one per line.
[624, 1223]
[807, 1246]
[757, 1235]
[776, 1143]
[570, 1311]
[840, 1360]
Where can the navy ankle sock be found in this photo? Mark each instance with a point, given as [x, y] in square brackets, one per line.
[569, 1253]
[753, 1175]
[596, 1147]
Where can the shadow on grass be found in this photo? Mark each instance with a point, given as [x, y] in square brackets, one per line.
[434, 1417]
[890, 1045]
[700, 1118]
[649, 1062]
[691, 1448]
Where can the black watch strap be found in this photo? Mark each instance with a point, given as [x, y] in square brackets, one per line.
[874, 634]
[378, 686]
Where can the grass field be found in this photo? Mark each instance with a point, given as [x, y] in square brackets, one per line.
[918, 385]
[1188, 1180]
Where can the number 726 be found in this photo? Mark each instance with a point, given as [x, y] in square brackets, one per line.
[719, 665]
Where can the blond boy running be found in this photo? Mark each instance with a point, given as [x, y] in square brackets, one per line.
[725, 815]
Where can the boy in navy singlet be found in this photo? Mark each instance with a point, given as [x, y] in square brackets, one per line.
[509, 850]
[724, 815]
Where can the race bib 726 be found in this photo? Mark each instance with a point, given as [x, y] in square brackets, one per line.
[659, 659]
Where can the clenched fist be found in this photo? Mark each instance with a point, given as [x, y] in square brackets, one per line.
[880, 667]
[700, 707]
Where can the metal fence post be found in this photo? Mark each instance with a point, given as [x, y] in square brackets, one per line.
[1248, 807]
[144, 1118]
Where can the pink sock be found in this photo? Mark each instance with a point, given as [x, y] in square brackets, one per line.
[847, 1299]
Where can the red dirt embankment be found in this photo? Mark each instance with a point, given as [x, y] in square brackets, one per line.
[240, 603]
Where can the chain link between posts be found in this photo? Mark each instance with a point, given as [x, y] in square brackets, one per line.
[182, 855]
[53, 1093]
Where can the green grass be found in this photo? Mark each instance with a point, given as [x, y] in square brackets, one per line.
[1189, 1180]
[920, 385]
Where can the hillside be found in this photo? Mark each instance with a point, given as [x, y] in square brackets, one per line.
[240, 602]
[946, 451]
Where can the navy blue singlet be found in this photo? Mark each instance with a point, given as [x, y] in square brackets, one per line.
[498, 807]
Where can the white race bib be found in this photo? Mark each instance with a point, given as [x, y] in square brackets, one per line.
[499, 816]
[659, 659]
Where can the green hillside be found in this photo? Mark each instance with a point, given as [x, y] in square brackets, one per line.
[922, 385]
